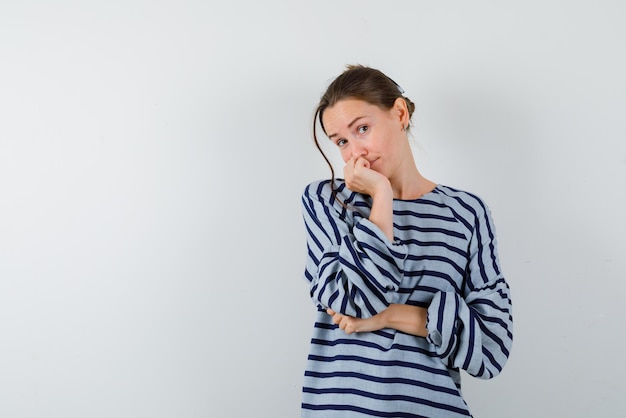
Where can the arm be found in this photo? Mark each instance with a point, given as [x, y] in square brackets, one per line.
[352, 267]
[360, 178]
[381, 214]
[406, 318]
[474, 331]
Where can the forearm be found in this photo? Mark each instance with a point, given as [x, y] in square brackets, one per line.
[406, 318]
[381, 213]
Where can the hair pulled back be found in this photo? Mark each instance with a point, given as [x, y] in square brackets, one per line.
[362, 83]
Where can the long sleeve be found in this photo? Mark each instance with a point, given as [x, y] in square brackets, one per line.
[474, 331]
[351, 266]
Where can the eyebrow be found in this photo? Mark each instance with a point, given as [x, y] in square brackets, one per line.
[349, 125]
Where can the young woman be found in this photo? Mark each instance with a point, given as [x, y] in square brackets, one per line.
[404, 272]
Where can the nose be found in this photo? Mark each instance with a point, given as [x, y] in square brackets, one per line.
[359, 151]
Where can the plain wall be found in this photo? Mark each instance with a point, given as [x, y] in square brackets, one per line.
[152, 158]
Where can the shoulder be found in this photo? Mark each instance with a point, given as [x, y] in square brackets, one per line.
[335, 198]
[322, 190]
[317, 188]
[460, 196]
[463, 203]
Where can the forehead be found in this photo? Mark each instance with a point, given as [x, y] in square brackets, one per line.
[345, 111]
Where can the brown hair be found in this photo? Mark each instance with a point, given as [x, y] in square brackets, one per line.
[362, 83]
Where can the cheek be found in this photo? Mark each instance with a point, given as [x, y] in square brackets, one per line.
[345, 154]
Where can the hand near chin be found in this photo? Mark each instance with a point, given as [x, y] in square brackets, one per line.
[362, 179]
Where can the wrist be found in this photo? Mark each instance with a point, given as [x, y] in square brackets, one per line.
[384, 317]
[382, 190]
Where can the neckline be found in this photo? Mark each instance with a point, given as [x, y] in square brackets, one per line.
[437, 185]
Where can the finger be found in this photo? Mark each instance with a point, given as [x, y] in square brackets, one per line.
[362, 162]
[351, 326]
[337, 319]
[330, 311]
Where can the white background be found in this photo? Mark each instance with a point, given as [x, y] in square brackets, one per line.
[152, 157]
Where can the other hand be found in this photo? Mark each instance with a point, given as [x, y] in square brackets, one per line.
[351, 324]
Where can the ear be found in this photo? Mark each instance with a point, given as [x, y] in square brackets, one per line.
[400, 111]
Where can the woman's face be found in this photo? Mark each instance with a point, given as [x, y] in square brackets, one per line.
[361, 129]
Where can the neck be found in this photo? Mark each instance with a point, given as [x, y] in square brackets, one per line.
[410, 184]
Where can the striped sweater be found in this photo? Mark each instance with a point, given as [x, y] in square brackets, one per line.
[443, 258]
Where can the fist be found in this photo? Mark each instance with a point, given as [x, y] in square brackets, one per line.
[361, 178]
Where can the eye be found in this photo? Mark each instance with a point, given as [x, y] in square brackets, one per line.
[341, 142]
[362, 129]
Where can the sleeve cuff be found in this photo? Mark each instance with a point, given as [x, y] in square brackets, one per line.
[443, 322]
